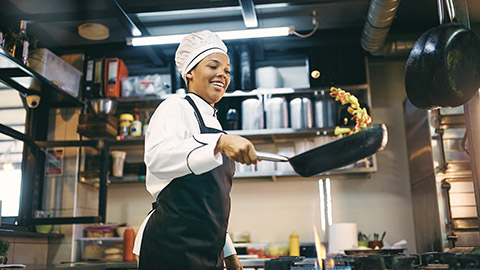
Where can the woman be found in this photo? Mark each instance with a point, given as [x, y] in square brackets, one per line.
[190, 164]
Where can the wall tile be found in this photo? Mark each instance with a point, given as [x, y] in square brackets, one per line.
[30, 253]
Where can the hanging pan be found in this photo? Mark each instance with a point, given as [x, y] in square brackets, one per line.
[335, 154]
[443, 68]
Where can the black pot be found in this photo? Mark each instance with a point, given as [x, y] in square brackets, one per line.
[443, 68]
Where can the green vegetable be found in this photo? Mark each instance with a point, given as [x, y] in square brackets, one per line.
[4, 245]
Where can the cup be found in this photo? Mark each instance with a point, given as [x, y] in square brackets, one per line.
[118, 161]
[342, 236]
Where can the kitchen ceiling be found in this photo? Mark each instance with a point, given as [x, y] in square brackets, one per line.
[54, 23]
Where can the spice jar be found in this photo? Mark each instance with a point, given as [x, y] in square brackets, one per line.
[126, 120]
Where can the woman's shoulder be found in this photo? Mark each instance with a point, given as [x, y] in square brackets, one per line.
[173, 102]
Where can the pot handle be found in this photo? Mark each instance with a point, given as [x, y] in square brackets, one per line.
[450, 9]
[271, 157]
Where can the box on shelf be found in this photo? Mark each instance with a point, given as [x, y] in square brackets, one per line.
[146, 85]
[102, 249]
[56, 70]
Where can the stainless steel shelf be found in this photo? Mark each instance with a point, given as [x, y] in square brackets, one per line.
[274, 174]
[281, 134]
[289, 91]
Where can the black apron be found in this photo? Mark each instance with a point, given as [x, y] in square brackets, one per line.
[189, 225]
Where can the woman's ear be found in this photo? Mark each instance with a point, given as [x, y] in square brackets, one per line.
[189, 75]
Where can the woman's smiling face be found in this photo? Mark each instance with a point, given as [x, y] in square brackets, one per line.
[210, 78]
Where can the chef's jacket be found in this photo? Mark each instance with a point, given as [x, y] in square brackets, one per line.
[174, 147]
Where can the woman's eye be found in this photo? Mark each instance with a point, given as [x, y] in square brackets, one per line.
[227, 71]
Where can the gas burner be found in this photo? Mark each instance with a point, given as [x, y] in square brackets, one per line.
[426, 261]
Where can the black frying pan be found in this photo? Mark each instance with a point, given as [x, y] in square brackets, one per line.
[443, 68]
[337, 153]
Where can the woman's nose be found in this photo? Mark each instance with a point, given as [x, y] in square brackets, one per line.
[222, 74]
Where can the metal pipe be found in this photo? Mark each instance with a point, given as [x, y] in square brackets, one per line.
[374, 37]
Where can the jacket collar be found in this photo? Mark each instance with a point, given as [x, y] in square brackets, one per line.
[202, 105]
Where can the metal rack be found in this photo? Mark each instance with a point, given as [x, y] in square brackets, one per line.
[28, 82]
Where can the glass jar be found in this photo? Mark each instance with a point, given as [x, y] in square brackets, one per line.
[126, 120]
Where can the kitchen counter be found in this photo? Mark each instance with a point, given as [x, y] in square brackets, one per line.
[28, 234]
[84, 266]
[247, 264]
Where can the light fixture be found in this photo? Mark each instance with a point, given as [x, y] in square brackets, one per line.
[93, 31]
[224, 35]
[8, 166]
[248, 13]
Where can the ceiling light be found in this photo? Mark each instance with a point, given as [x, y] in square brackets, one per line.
[93, 31]
[224, 35]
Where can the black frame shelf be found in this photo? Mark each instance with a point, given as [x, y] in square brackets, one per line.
[28, 82]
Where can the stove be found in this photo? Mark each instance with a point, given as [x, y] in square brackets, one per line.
[430, 260]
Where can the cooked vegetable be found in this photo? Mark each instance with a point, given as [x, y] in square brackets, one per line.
[360, 115]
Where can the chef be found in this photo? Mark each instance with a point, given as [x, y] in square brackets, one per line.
[190, 165]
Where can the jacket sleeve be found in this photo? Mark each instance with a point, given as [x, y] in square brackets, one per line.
[228, 249]
[173, 149]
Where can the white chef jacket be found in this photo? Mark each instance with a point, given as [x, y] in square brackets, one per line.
[174, 148]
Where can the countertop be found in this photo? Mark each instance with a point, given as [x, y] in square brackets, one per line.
[247, 263]
[84, 266]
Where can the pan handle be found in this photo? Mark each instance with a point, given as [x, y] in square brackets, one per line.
[441, 11]
[450, 6]
[271, 157]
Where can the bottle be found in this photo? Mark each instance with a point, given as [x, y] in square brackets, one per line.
[20, 47]
[128, 242]
[137, 126]
[294, 244]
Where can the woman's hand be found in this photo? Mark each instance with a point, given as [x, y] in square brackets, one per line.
[237, 148]
[232, 263]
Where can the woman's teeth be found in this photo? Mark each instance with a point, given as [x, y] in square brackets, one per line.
[218, 84]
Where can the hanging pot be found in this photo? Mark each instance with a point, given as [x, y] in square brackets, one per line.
[443, 68]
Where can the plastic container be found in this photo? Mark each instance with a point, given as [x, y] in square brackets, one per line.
[277, 249]
[261, 250]
[95, 232]
[56, 70]
[102, 249]
[146, 85]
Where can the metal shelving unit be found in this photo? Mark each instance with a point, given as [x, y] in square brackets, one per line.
[28, 82]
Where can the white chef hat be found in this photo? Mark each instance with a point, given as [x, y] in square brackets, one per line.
[194, 47]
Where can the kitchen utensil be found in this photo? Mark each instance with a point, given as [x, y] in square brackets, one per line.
[301, 115]
[335, 154]
[276, 112]
[375, 244]
[383, 236]
[103, 105]
[443, 68]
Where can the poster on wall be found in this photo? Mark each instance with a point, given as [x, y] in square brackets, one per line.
[54, 163]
